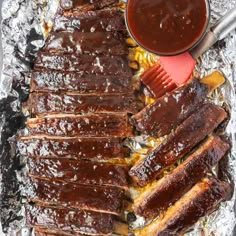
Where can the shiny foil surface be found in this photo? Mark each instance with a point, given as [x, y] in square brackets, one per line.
[25, 26]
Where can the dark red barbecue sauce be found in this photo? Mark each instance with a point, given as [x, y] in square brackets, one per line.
[167, 27]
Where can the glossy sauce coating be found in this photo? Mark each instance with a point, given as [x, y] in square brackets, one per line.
[104, 199]
[71, 148]
[79, 172]
[105, 20]
[201, 200]
[91, 64]
[191, 132]
[86, 4]
[80, 82]
[80, 42]
[55, 103]
[85, 62]
[167, 27]
[159, 118]
[97, 125]
[174, 185]
[69, 221]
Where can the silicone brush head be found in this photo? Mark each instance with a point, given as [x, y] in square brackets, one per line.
[169, 73]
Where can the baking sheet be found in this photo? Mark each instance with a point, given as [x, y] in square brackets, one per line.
[23, 35]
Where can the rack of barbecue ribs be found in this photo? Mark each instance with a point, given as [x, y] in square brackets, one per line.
[81, 109]
[80, 100]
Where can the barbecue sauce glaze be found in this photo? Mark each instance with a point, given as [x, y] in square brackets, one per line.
[167, 27]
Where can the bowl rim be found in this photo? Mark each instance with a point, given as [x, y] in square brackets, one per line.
[195, 43]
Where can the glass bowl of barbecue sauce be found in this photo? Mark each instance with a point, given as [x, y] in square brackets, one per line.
[167, 27]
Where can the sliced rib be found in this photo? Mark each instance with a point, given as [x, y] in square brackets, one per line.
[192, 131]
[102, 125]
[69, 221]
[71, 103]
[105, 199]
[170, 110]
[92, 64]
[76, 42]
[71, 148]
[105, 20]
[170, 188]
[80, 82]
[79, 172]
[201, 200]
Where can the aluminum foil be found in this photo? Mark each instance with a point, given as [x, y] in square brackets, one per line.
[23, 34]
[222, 57]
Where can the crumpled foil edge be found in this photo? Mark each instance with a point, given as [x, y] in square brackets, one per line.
[23, 35]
